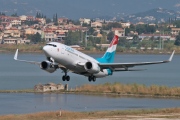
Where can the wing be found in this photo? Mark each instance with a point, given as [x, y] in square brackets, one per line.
[125, 66]
[32, 62]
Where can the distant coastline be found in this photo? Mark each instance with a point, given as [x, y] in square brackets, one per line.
[37, 48]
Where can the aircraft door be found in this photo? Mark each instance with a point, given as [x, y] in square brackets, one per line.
[62, 50]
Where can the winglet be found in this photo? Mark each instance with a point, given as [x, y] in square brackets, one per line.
[16, 54]
[171, 56]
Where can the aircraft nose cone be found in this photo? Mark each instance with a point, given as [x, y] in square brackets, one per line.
[46, 49]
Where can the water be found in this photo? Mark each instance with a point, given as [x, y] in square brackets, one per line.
[19, 75]
[19, 103]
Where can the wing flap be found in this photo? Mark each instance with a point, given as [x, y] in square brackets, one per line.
[122, 69]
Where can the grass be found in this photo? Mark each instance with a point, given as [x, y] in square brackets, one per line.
[18, 91]
[128, 89]
[115, 89]
[21, 47]
[67, 115]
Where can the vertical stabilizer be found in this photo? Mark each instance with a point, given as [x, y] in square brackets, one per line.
[110, 53]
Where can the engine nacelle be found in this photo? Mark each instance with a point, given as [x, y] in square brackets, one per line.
[47, 66]
[92, 67]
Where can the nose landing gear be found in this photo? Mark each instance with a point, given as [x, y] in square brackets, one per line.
[65, 77]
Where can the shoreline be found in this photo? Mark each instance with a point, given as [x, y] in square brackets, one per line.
[111, 94]
[112, 89]
[37, 48]
[138, 114]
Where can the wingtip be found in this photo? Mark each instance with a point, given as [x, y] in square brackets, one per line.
[16, 54]
[170, 59]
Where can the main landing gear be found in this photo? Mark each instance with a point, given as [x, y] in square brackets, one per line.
[65, 77]
[92, 78]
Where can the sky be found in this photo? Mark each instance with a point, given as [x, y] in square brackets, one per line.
[75, 9]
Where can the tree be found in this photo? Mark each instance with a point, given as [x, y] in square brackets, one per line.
[48, 20]
[91, 31]
[136, 39]
[73, 38]
[103, 39]
[153, 45]
[177, 23]
[38, 15]
[127, 31]
[14, 15]
[112, 25]
[75, 22]
[152, 38]
[145, 29]
[85, 25]
[177, 41]
[55, 19]
[1, 13]
[30, 22]
[35, 38]
[110, 36]
[122, 41]
[94, 40]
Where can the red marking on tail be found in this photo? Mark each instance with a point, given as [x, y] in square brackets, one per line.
[114, 41]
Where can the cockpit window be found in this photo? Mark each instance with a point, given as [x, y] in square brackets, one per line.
[51, 45]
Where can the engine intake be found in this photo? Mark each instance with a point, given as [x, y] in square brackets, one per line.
[92, 67]
[47, 66]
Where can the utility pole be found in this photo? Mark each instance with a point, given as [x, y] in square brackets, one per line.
[160, 41]
[81, 36]
[86, 39]
[163, 41]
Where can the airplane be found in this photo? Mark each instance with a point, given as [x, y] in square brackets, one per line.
[60, 56]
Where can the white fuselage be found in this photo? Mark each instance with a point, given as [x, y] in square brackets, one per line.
[70, 58]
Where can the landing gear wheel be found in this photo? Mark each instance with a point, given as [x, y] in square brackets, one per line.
[94, 79]
[63, 77]
[89, 78]
[67, 78]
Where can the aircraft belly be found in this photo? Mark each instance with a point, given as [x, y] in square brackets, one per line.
[71, 65]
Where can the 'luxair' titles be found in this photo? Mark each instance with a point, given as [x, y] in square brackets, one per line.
[69, 49]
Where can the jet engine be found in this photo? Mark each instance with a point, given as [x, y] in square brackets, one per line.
[92, 67]
[47, 66]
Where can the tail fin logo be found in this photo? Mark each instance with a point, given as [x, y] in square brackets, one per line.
[114, 41]
[110, 53]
